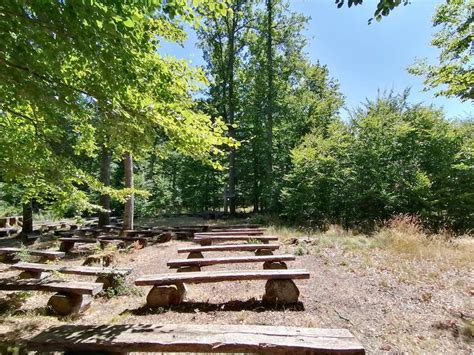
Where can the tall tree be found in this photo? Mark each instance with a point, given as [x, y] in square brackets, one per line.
[51, 78]
[454, 73]
[221, 40]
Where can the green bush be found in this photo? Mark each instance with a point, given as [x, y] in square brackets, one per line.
[391, 158]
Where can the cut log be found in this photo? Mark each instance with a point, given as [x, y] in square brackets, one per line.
[75, 287]
[230, 247]
[205, 240]
[220, 276]
[66, 304]
[281, 291]
[229, 260]
[76, 270]
[45, 253]
[196, 338]
[247, 232]
[165, 296]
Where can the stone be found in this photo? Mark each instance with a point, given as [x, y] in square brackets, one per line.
[195, 255]
[65, 304]
[281, 292]
[164, 296]
[262, 252]
[274, 265]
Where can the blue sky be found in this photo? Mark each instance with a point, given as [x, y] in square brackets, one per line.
[362, 57]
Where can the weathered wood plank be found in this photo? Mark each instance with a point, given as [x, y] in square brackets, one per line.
[78, 270]
[47, 253]
[220, 276]
[74, 287]
[197, 338]
[223, 238]
[230, 247]
[248, 232]
[78, 240]
[115, 237]
[229, 260]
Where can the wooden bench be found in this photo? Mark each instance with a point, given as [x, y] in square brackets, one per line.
[248, 232]
[259, 249]
[142, 240]
[71, 297]
[168, 289]
[106, 275]
[195, 338]
[7, 231]
[68, 243]
[140, 232]
[9, 253]
[269, 262]
[233, 226]
[208, 240]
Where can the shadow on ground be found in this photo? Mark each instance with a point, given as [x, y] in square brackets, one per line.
[231, 306]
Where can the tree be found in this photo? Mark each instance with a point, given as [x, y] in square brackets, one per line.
[392, 158]
[454, 73]
[221, 40]
[384, 7]
[60, 60]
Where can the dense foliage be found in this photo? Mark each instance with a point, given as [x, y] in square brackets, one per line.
[391, 158]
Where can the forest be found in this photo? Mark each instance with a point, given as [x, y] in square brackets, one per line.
[132, 177]
[102, 122]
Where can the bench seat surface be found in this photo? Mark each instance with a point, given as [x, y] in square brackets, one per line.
[198, 238]
[58, 254]
[79, 270]
[251, 232]
[196, 338]
[219, 276]
[230, 247]
[75, 287]
[230, 260]
[78, 240]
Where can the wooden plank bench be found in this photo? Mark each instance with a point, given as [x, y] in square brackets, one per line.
[195, 338]
[142, 240]
[6, 231]
[259, 249]
[106, 275]
[71, 297]
[208, 240]
[269, 262]
[8, 254]
[247, 232]
[68, 243]
[168, 289]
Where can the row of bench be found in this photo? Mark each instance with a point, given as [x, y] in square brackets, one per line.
[169, 289]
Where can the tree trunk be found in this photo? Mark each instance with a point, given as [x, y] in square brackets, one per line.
[270, 101]
[129, 204]
[27, 214]
[105, 161]
[231, 113]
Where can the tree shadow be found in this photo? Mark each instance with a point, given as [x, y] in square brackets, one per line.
[252, 305]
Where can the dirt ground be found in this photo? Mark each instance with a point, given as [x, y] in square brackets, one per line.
[390, 303]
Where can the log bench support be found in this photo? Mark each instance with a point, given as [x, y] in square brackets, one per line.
[166, 295]
[280, 292]
[195, 255]
[262, 252]
[64, 304]
[275, 265]
[66, 246]
[31, 275]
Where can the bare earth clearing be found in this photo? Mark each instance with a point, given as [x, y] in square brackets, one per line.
[390, 299]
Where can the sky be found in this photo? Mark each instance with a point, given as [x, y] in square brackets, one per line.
[364, 58]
